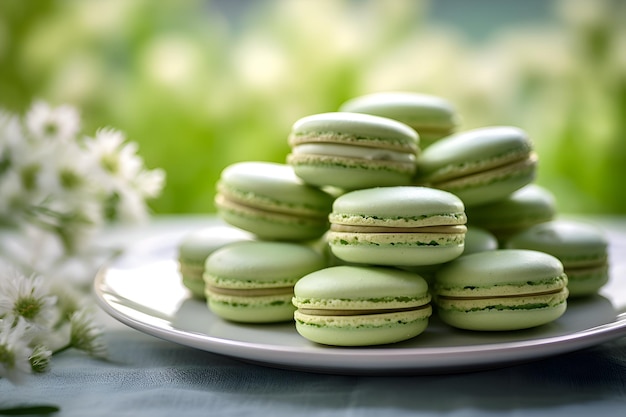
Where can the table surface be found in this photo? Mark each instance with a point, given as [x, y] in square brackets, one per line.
[144, 375]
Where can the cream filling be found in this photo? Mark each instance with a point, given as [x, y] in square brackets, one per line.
[351, 151]
[510, 168]
[224, 203]
[452, 229]
[249, 292]
[341, 312]
[476, 297]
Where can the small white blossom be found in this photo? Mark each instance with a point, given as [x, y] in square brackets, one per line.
[26, 298]
[53, 124]
[85, 335]
[14, 349]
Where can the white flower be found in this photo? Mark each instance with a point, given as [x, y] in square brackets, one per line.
[117, 160]
[149, 183]
[26, 298]
[14, 349]
[45, 123]
[40, 358]
[85, 335]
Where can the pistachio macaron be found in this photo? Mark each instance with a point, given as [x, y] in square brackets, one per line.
[480, 165]
[352, 151]
[530, 205]
[196, 246]
[397, 226]
[431, 116]
[505, 289]
[253, 281]
[361, 306]
[580, 246]
[270, 201]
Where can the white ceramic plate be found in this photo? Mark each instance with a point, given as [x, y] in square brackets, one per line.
[143, 290]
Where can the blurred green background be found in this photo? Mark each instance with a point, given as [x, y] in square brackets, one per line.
[202, 84]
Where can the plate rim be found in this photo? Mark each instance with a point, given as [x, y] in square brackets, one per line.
[396, 360]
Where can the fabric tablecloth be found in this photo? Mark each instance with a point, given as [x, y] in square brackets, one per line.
[146, 376]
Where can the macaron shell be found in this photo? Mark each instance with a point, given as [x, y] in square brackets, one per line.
[197, 245]
[501, 320]
[478, 239]
[400, 208]
[270, 201]
[576, 244]
[258, 264]
[431, 116]
[351, 174]
[361, 289]
[405, 206]
[405, 250]
[369, 330]
[583, 282]
[530, 205]
[367, 165]
[492, 185]
[252, 309]
[273, 186]
[480, 165]
[354, 128]
[581, 247]
[501, 290]
[473, 151]
[500, 272]
[350, 284]
[234, 272]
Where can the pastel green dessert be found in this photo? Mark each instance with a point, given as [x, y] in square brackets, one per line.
[399, 226]
[253, 282]
[352, 151]
[196, 246]
[270, 201]
[361, 306]
[432, 117]
[481, 165]
[498, 290]
[526, 207]
[478, 239]
[581, 247]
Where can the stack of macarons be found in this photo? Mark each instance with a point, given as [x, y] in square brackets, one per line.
[379, 206]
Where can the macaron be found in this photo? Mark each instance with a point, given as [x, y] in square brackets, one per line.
[252, 282]
[398, 226]
[196, 246]
[478, 239]
[432, 117]
[501, 290]
[581, 247]
[361, 306]
[270, 201]
[480, 165]
[530, 205]
[352, 150]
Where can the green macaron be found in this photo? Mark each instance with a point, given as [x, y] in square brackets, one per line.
[478, 239]
[581, 247]
[253, 281]
[432, 117]
[480, 165]
[352, 151]
[498, 290]
[361, 306]
[270, 201]
[526, 207]
[196, 246]
[398, 226]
